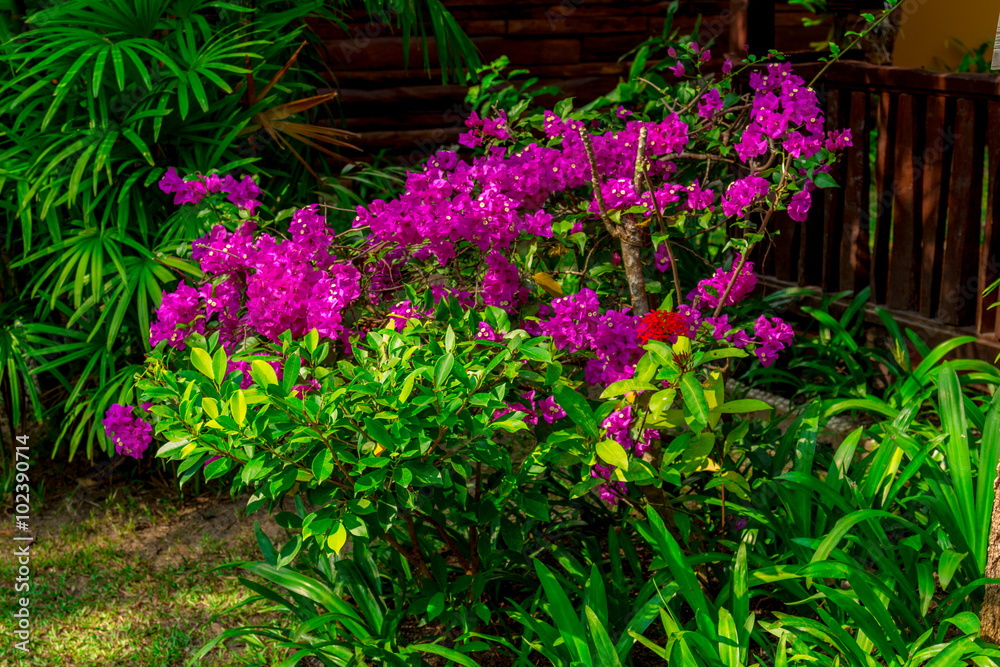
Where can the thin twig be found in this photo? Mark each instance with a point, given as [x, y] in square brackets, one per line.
[760, 230]
[670, 250]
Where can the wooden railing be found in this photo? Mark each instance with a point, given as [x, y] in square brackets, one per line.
[910, 221]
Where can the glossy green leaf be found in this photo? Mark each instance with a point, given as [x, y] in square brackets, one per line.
[202, 361]
[611, 452]
[577, 409]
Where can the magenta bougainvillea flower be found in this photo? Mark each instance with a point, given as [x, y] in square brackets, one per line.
[710, 290]
[130, 433]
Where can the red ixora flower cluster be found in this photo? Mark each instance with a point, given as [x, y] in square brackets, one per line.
[661, 325]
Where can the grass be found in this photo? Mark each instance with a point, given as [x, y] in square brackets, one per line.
[131, 583]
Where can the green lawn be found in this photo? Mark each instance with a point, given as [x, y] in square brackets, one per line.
[128, 581]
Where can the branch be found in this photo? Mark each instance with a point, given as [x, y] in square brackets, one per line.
[588, 148]
[670, 249]
[760, 230]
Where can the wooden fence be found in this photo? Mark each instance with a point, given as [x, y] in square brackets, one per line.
[916, 218]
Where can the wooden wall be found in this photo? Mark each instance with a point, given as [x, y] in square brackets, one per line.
[574, 44]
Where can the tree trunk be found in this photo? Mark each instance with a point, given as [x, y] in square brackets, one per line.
[989, 615]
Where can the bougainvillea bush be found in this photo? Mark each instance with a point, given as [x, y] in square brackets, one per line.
[509, 333]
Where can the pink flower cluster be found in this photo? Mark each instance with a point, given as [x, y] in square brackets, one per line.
[547, 409]
[131, 434]
[488, 204]
[577, 326]
[481, 128]
[786, 112]
[242, 193]
[267, 285]
[709, 292]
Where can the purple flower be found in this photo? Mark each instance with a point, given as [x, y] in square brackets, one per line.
[403, 311]
[131, 435]
[502, 283]
[185, 192]
[678, 69]
[699, 199]
[180, 308]
[487, 332]
[798, 207]
[550, 410]
[752, 144]
[709, 291]
[710, 103]
[222, 252]
[171, 182]
[727, 66]
[774, 335]
[838, 140]
[720, 326]
[213, 182]
[242, 193]
[661, 257]
[742, 193]
[799, 145]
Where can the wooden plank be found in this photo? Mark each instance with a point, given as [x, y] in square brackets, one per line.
[930, 331]
[884, 189]
[550, 3]
[833, 202]
[414, 77]
[609, 47]
[904, 262]
[989, 260]
[961, 248]
[576, 25]
[406, 141]
[387, 52]
[738, 29]
[760, 26]
[864, 76]
[811, 243]
[931, 185]
[854, 254]
[783, 245]
[363, 26]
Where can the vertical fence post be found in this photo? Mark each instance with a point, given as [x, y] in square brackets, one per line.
[855, 262]
[904, 262]
[760, 26]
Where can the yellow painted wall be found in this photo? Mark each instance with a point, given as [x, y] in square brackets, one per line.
[930, 26]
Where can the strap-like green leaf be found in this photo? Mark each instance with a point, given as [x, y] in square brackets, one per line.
[564, 615]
